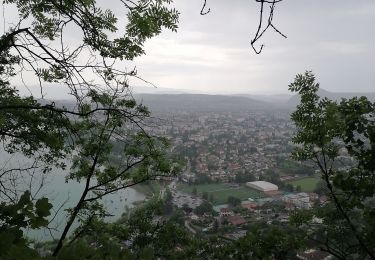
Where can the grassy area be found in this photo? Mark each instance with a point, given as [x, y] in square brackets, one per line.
[202, 187]
[307, 184]
[221, 191]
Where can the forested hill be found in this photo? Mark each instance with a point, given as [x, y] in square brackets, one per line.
[201, 103]
[188, 103]
[220, 103]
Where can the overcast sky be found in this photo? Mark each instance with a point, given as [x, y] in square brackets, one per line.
[212, 53]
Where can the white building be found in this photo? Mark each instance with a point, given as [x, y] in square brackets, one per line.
[262, 186]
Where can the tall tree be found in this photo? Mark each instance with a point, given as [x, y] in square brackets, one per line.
[325, 130]
[90, 69]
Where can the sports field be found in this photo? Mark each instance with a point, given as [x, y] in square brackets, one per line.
[307, 184]
[221, 191]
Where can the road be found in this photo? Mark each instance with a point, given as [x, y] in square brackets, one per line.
[189, 227]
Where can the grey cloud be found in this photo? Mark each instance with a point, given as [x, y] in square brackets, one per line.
[333, 38]
[212, 53]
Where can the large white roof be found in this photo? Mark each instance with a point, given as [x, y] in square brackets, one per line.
[262, 185]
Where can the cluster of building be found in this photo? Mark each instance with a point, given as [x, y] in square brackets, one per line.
[274, 206]
[219, 145]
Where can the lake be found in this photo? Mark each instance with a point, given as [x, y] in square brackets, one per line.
[64, 195]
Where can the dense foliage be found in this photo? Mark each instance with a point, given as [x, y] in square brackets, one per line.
[81, 133]
[327, 130]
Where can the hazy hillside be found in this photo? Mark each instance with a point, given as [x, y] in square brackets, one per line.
[188, 103]
[275, 99]
[221, 103]
[200, 103]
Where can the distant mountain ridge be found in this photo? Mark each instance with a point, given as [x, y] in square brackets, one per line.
[270, 98]
[200, 103]
[337, 96]
[221, 103]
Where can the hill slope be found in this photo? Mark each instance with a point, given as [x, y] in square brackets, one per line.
[201, 103]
